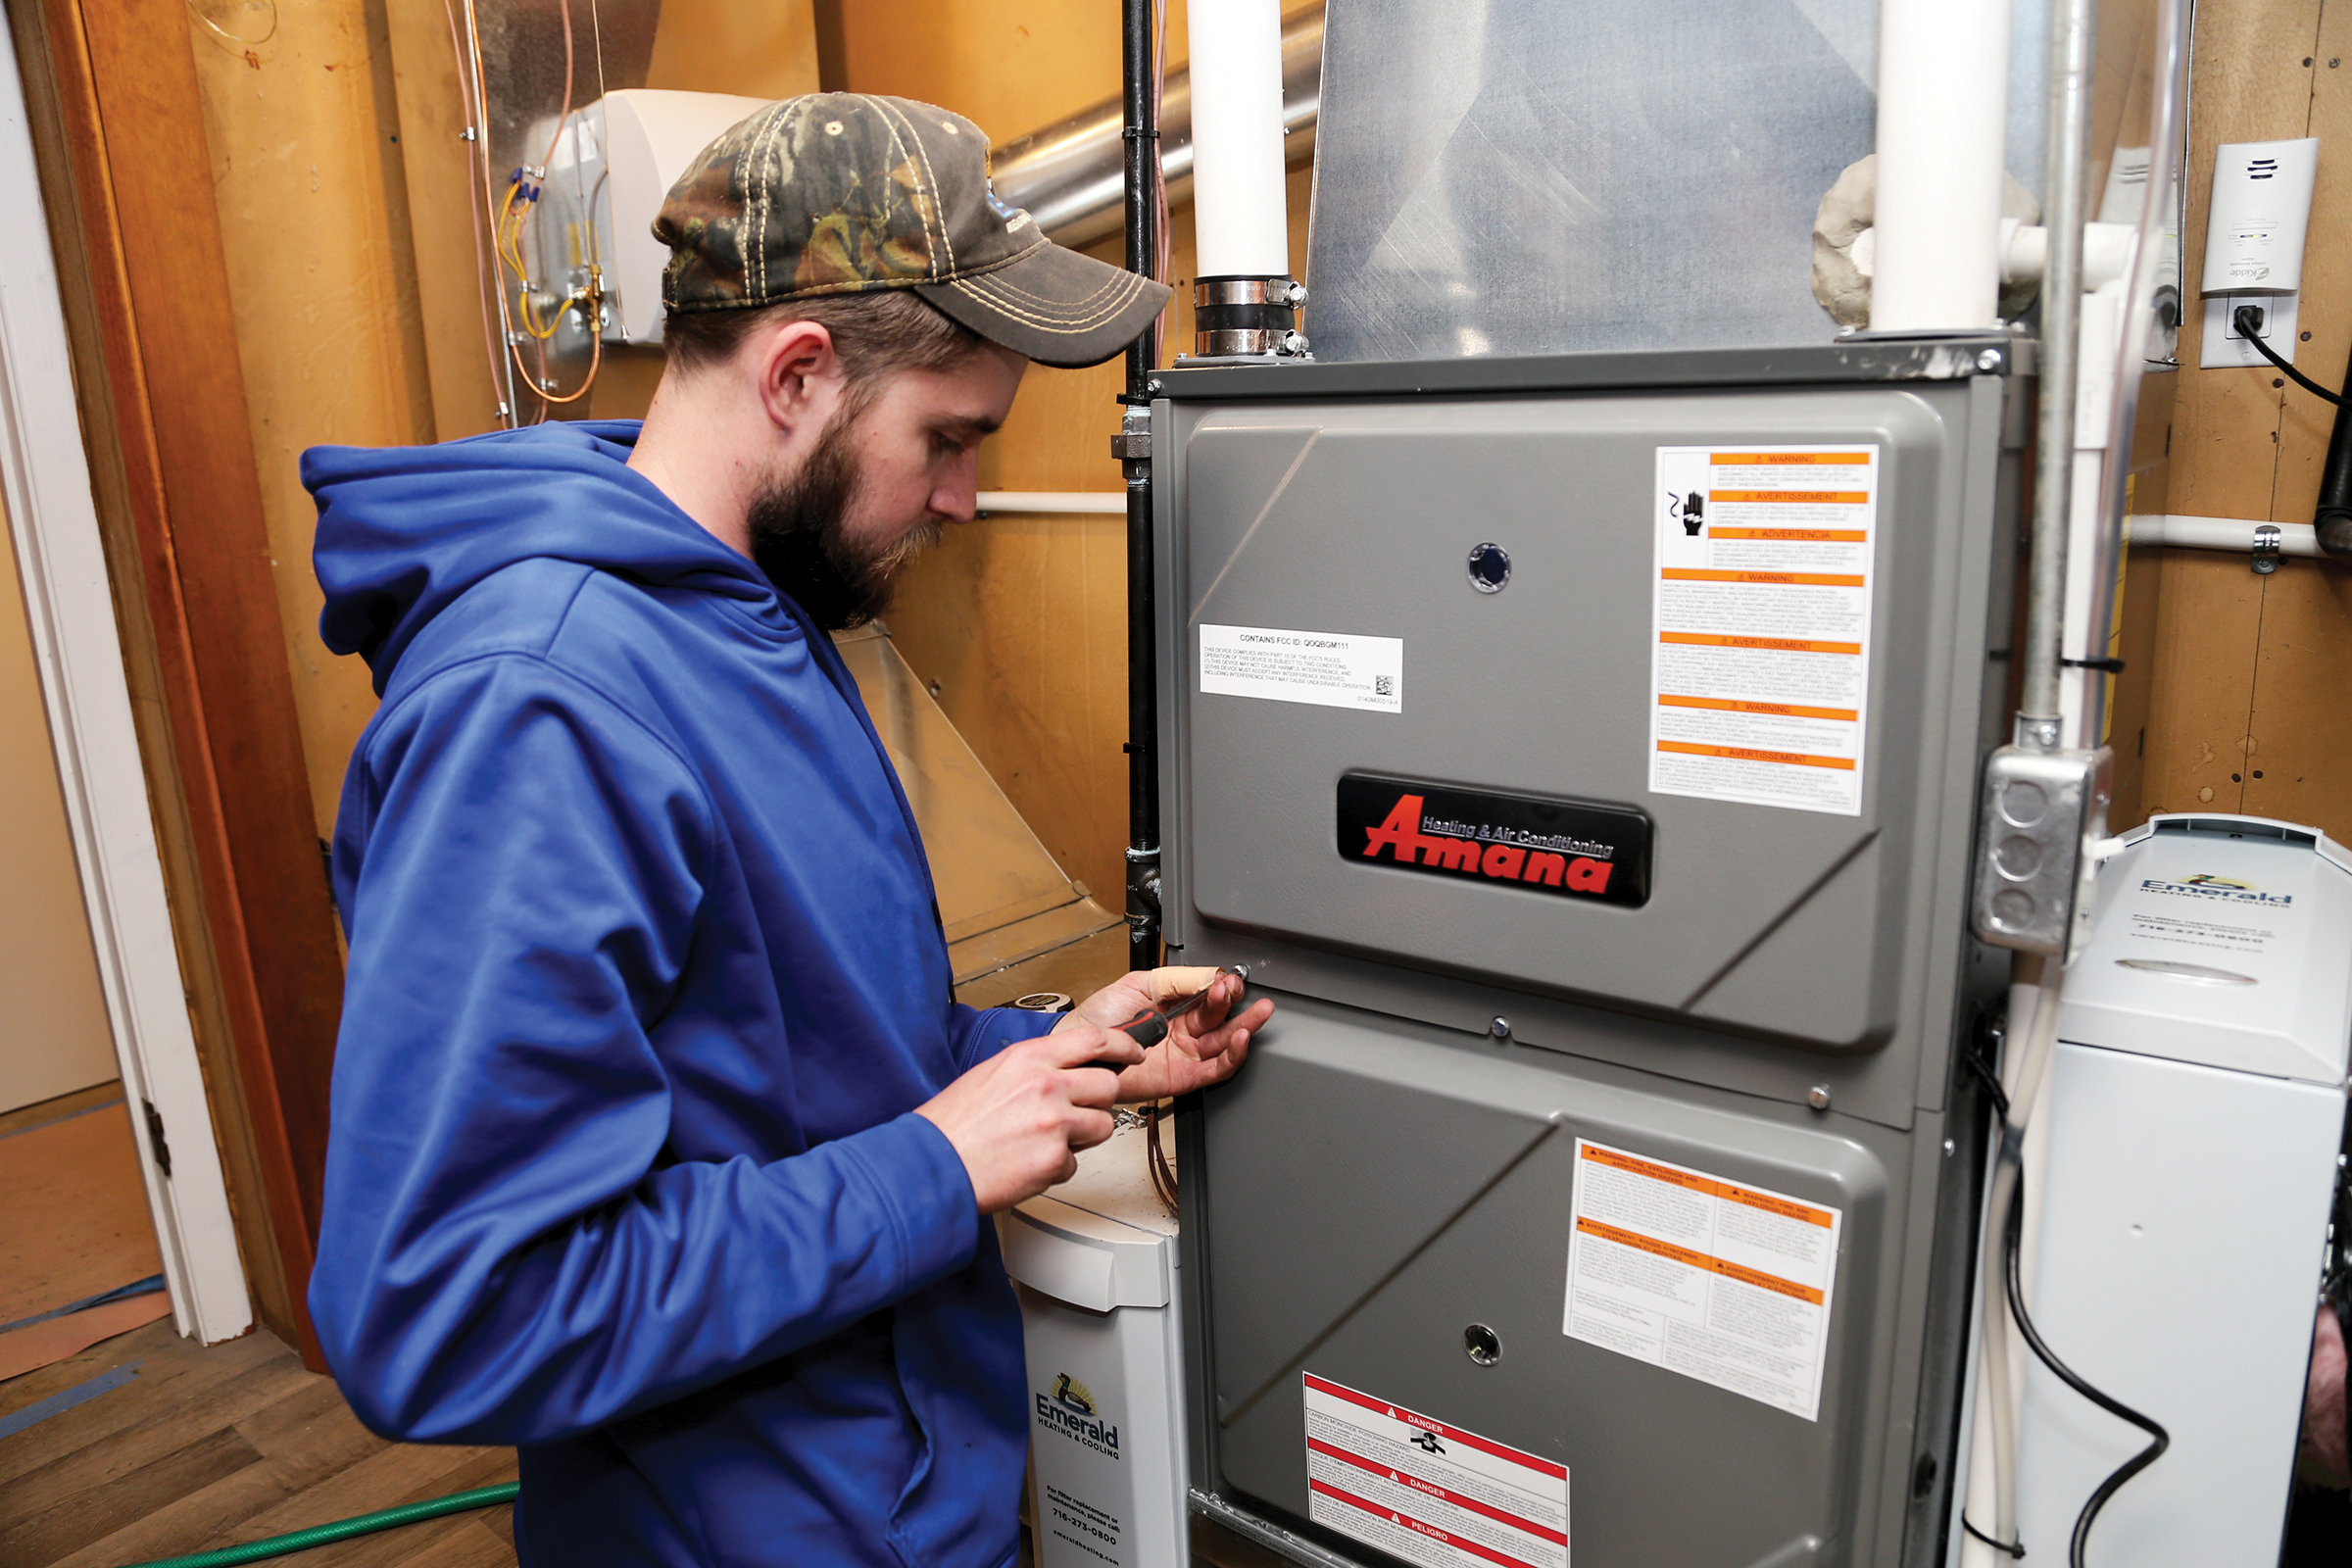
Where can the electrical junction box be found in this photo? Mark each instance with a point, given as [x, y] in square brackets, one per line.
[1583, 750]
[1093, 1261]
[2194, 1117]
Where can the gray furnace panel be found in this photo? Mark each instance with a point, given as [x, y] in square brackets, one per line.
[1378, 1189]
[1358, 520]
[1543, 998]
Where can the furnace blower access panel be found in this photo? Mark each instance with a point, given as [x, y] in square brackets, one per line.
[1587, 772]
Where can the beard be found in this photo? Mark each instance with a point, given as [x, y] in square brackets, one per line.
[800, 537]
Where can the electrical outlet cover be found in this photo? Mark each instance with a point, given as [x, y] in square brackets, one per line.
[2225, 347]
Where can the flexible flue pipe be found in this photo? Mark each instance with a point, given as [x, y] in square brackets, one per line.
[1241, 221]
[1944, 109]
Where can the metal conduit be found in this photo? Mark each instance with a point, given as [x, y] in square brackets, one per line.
[1071, 177]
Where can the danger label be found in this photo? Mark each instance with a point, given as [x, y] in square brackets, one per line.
[1717, 1280]
[1760, 645]
[1427, 1493]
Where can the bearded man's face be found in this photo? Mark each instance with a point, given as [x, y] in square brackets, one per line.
[882, 479]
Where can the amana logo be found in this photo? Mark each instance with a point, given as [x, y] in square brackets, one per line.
[1070, 1411]
[1402, 836]
[2205, 885]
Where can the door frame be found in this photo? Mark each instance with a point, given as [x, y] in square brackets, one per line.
[78, 650]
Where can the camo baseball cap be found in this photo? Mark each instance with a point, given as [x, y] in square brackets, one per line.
[840, 193]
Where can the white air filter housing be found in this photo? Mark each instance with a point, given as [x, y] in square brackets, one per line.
[2188, 1157]
[2224, 941]
[1095, 1263]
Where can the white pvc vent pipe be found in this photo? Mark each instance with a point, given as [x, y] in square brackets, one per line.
[1944, 109]
[1087, 503]
[2237, 535]
[1241, 219]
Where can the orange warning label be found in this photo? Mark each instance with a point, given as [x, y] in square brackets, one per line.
[1775, 458]
[1763, 552]
[1792, 709]
[1714, 1265]
[1815, 579]
[1711, 1279]
[1750, 754]
[1786, 645]
[1678, 1177]
[1812, 536]
[1817, 498]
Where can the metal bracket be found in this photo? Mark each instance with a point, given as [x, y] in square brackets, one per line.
[1266, 1533]
[2039, 814]
[1132, 443]
[2267, 539]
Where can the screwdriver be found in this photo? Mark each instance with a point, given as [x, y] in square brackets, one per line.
[1150, 1027]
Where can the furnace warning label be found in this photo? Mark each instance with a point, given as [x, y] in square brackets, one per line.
[1329, 668]
[1718, 1281]
[1425, 1492]
[1760, 663]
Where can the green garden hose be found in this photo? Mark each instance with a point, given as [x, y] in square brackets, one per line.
[366, 1524]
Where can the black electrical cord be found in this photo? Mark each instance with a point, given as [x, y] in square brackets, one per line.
[2009, 1547]
[2160, 1440]
[2248, 319]
[1981, 1065]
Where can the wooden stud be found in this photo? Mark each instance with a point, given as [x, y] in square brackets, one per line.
[144, 237]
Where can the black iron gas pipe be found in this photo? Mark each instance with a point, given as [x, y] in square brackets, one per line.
[1134, 448]
[2334, 518]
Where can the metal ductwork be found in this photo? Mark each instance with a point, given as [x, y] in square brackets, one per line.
[1068, 177]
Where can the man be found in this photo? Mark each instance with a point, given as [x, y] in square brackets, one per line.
[661, 1148]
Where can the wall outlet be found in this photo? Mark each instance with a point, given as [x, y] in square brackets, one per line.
[2225, 347]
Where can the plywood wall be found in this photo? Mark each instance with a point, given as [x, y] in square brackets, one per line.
[2244, 677]
[314, 228]
[1021, 621]
[350, 244]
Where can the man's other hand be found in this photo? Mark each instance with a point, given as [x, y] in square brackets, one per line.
[1018, 1119]
[1204, 1047]
[2323, 1436]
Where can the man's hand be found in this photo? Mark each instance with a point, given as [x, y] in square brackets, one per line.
[1018, 1119]
[1204, 1046]
[2323, 1436]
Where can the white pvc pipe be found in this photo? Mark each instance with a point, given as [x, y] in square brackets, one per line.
[1092, 503]
[1943, 107]
[1240, 211]
[2234, 534]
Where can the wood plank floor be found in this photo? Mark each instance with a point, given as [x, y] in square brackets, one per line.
[209, 1446]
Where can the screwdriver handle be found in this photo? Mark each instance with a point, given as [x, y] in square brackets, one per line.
[1151, 1026]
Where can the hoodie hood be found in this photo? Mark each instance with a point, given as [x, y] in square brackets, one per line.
[403, 530]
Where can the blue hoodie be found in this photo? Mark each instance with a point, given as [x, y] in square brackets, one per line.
[646, 979]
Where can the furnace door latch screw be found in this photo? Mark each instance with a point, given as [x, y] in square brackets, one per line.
[1500, 1028]
[1818, 1097]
